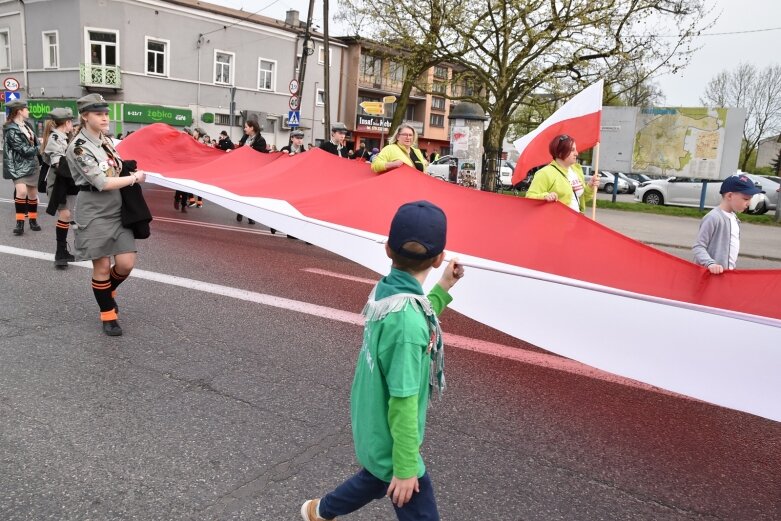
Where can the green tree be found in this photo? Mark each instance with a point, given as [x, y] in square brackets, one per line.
[516, 52]
[757, 91]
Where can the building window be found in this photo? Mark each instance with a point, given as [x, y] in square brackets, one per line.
[437, 103]
[410, 114]
[225, 120]
[437, 120]
[102, 48]
[440, 72]
[396, 72]
[266, 74]
[51, 50]
[321, 55]
[320, 100]
[439, 87]
[223, 67]
[5, 50]
[298, 64]
[371, 68]
[157, 56]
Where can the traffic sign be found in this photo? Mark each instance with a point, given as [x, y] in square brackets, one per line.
[293, 87]
[11, 96]
[11, 84]
[294, 102]
[389, 99]
[293, 118]
[373, 107]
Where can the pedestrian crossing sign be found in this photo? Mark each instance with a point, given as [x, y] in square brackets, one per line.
[293, 118]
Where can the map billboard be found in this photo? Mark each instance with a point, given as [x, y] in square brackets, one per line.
[695, 142]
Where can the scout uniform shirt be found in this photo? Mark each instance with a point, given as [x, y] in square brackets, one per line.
[55, 149]
[93, 160]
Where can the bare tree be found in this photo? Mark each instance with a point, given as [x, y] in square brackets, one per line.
[517, 51]
[759, 92]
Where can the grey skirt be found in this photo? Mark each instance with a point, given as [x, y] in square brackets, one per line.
[99, 231]
[29, 180]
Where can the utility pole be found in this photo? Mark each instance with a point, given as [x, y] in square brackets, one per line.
[327, 69]
[232, 106]
[306, 51]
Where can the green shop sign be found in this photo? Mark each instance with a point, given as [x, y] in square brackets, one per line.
[39, 108]
[156, 114]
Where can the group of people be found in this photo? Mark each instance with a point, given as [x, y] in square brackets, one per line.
[84, 176]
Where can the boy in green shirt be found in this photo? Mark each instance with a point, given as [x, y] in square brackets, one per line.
[401, 358]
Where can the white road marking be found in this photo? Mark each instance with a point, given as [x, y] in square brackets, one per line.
[212, 225]
[470, 344]
[187, 222]
[339, 275]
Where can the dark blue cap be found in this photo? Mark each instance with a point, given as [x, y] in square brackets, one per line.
[420, 222]
[739, 183]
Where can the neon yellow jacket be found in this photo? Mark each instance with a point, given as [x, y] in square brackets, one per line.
[553, 178]
[395, 152]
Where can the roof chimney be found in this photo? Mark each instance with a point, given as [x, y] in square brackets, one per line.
[291, 18]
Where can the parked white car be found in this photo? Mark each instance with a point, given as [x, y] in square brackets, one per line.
[607, 180]
[441, 170]
[441, 167]
[685, 191]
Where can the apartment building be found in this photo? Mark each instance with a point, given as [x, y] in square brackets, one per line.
[369, 75]
[172, 61]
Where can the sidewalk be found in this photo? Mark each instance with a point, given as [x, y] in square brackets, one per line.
[756, 241]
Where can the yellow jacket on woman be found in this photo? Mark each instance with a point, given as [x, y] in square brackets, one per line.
[553, 178]
[396, 152]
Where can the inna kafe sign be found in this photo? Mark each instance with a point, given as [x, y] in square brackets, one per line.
[156, 114]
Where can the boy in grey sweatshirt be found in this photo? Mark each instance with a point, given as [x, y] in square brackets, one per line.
[718, 241]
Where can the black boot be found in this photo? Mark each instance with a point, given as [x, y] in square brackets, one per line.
[250, 221]
[62, 257]
[272, 230]
[111, 328]
[34, 226]
[19, 230]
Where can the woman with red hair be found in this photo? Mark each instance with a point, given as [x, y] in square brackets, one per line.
[562, 180]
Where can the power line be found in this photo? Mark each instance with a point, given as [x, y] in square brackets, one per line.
[721, 34]
[242, 20]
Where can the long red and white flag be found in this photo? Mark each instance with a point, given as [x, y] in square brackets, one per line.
[579, 118]
[667, 322]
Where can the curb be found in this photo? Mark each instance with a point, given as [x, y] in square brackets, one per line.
[678, 246]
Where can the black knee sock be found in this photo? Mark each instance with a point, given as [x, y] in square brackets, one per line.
[61, 231]
[21, 207]
[32, 208]
[102, 291]
[116, 280]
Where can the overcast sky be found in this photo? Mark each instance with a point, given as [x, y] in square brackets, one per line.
[683, 89]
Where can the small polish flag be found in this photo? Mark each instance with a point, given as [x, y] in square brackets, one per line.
[579, 118]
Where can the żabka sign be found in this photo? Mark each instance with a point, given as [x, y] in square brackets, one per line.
[156, 114]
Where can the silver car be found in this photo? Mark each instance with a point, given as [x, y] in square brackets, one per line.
[607, 180]
[686, 191]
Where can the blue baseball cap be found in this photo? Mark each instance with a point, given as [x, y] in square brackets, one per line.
[421, 222]
[739, 183]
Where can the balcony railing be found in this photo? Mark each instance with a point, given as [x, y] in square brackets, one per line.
[107, 76]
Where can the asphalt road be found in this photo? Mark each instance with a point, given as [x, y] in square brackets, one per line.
[230, 402]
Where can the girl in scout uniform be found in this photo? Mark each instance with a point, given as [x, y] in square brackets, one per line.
[54, 145]
[96, 167]
[20, 164]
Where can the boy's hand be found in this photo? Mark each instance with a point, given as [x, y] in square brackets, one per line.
[453, 272]
[400, 490]
[716, 269]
